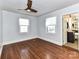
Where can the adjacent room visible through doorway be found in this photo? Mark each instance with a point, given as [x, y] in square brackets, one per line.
[70, 30]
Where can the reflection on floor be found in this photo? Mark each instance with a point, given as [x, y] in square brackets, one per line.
[73, 45]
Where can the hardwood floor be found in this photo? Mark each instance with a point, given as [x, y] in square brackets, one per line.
[37, 49]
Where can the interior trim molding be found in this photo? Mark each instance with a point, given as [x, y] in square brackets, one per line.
[52, 41]
[43, 38]
[15, 41]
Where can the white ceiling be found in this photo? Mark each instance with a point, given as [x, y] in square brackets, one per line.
[43, 6]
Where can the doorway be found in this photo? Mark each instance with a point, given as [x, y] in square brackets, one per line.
[71, 30]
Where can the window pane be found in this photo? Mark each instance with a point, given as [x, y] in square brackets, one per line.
[51, 21]
[50, 24]
[23, 21]
[23, 28]
[51, 29]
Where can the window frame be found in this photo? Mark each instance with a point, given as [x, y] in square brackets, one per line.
[24, 25]
[53, 25]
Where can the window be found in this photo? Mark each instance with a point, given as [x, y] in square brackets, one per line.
[51, 24]
[24, 24]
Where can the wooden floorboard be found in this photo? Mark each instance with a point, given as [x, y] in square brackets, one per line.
[38, 49]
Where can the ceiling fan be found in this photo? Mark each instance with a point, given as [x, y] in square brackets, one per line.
[29, 7]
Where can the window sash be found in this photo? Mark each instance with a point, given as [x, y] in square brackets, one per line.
[23, 21]
[24, 28]
[51, 29]
[51, 24]
[24, 25]
[51, 21]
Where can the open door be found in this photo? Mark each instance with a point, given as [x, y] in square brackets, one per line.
[71, 30]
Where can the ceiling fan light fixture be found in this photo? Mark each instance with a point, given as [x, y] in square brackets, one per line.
[28, 10]
[29, 7]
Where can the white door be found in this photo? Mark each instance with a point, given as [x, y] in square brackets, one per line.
[64, 31]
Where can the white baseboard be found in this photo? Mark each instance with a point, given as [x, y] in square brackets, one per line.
[10, 42]
[52, 41]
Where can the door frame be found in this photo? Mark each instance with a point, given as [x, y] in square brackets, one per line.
[63, 28]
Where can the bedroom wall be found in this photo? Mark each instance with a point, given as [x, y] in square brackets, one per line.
[0, 27]
[1, 3]
[56, 38]
[11, 32]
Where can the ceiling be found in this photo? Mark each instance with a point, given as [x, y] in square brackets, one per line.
[43, 6]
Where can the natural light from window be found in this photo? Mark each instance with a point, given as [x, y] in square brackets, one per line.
[51, 25]
[24, 25]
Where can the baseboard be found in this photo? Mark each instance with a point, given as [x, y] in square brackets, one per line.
[15, 41]
[43, 38]
[52, 41]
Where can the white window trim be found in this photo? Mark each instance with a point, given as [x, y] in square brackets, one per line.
[54, 24]
[20, 25]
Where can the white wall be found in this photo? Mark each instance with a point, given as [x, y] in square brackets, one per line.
[0, 31]
[0, 27]
[57, 37]
[1, 3]
[11, 32]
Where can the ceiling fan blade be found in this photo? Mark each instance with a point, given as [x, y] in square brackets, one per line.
[29, 4]
[33, 10]
[29, 7]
